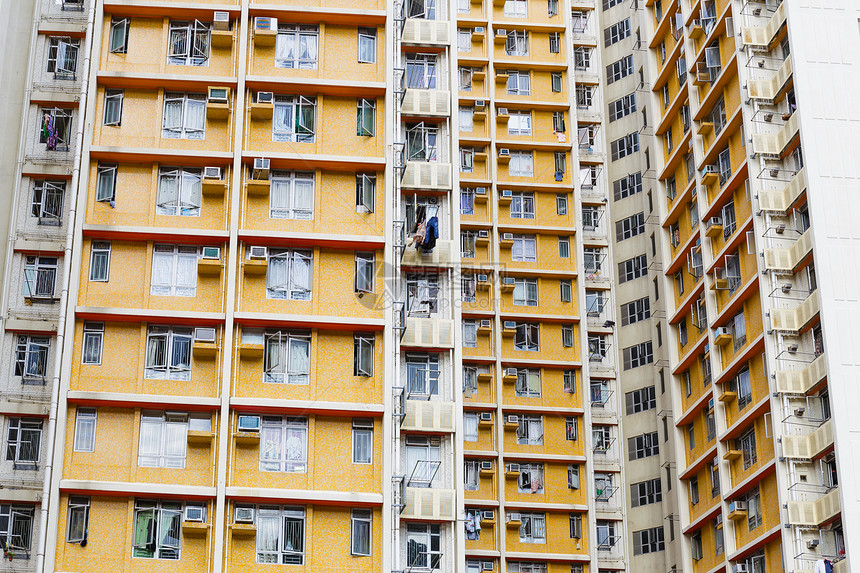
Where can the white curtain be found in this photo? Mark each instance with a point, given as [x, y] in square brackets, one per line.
[279, 199]
[168, 193]
[162, 273]
[192, 190]
[268, 527]
[277, 276]
[300, 360]
[470, 427]
[186, 275]
[308, 49]
[303, 207]
[285, 49]
[156, 351]
[195, 118]
[172, 123]
[175, 438]
[283, 121]
[85, 432]
[150, 443]
[270, 449]
[296, 447]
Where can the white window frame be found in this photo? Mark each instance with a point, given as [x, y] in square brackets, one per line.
[294, 119]
[280, 364]
[519, 122]
[524, 248]
[361, 532]
[186, 199]
[21, 434]
[184, 116]
[86, 420]
[278, 549]
[521, 164]
[290, 285]
[530, 430]
[31, 357]
[93, 343]
[275, 452]
[48, 199]
[367, 45]
[362, 442]
[297, 46]
[292, 195]
[522, 205]
[173, 360]
[188, 43]
[168, 277]
[167, 434]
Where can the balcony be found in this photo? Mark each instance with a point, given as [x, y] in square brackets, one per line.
[428, 333]
[421, 32]
[794, 320]
[801, 381]
[429, 416]
[426, 103]
[427, 175]
[779, 201]
[787, 260]
[809, 446]
[441, 256]
[760, 37]
[774, 144]
[429, 503]
[814, 513]
[766, 91]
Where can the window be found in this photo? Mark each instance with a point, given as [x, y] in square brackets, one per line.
[627, 186]
[694, 489]
[106, 183]
[464, 6]
[470, 333]
[526, 567]
[533, 528]
[365, 192]
[616, 32]
[531, 478]
[16, 527]
[579, 21]
[40, 277]
[174, 270]
[739, 331]
[561, 204]
[292, 195]
[297, 47]
[519, 82]
[31, 357]
[682, 331]
[575, 520]
[424, 545]
[179, 192]
[366, 117]
[367, 45]
[516, 8]
[470, 426]
[648, 541]
[184, 116]
[287, 358]
[466, 117]
[63, 57]
[520, 122]
[569, 381]
[78, 519]
[696, 546]
[364, 272]
[584, 94]
[93, 341]
[728, 219]
[467, 244]
[744, 388]
[24, 442]
[421, 71]
[465, 79]
[528, 383]
[363, 354]
[571, 429]
[566, 290]
[526, 337]
[638, 355]
[524, 248]
[188, 44]
[632, 269]
[635, 311]
[554, 40]
[594, 302]
[606, 539]
[724, 164]
[119, 28]
[294, 118]
[622, 107]
[560, 162]
[522, 164]
[467, 201]
[100, 261]
[471, 472]
[597, 347]
[573, 477]
[754, 516]
[55, 128]
[630, 227]
[607, 4]
[421, 142]
[467, 160]
[284, 444]
[85, 430]
[517, 43]
[47, 202]
[619, 69]
[362, 441]
[468, 287]
[361, 523]
[525, 292]
[748, 448]
[624, 146]
[719, 545]
[113, 107]
[555, 81]
[281, 535]
[288, 274]
[641, 400]
[567, 335]
[522, 205]
[643, 446]
[530, 430]
[168, 353]
[646, 492]
[582, 62]
[163, 437]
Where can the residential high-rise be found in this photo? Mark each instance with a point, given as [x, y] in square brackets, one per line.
[488, 285]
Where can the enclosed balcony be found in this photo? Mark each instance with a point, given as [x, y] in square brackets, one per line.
[794, 320]
[801, 381]
[809, 446]
[780, 200]
[814, 513]
[775, 144]
[424, 32]
[787, 260]
[761, 37]
[766, 91]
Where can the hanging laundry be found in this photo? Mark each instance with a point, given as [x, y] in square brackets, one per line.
[430, 235]
[49, 131]
[536, 481]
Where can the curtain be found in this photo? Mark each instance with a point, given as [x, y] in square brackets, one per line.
[172, 122]
[360, 537]
[366, 48]
[470, 427]
[85, 433]
[300, 360]
[303, 204]
[308, 50]
[149, 448]
[156, 351]
[168, 193]
[144, 532]
[295, 447]
[529, 249]
[178, 42]
[293, 534]
[175, 438]
[533, 382]
[186, 275]
[285, 50]
[270, 448]
[362, 445]
[195, 118]
[282, 121]
[267, 538]
[279, 200]
[277, 276]
[162, 273]
[180, 358]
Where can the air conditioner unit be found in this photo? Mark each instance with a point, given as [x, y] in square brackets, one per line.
[780, 229]
[507, 193]
[812, 544]
[514, 517]
[513, 467]
[244, 515]
[722, 331]
[211, 173]
[710, 169]
[792, 348]
[484, 234]
[487, 565]
[799, 412]
[249, 424]
[768, 117]
[740, 568]
[264, 97]
[480, 190]
[501, 32]
[509, 281]
[507, 236]
[714, 222]
[489, 515]
[502, 111]
[504, 152]
[213, 253]
[261, 168]
[195, 512]
[218, 95]
[265, 23]
[486, 323]
[486, 417]
[512, 419]
[711, 404]
[480, 104]
[479, 29]
[257, 252]
[221, 21]
[483, 278]
[486, 465]
[737, 506]
[510, 325]
[204, 335]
